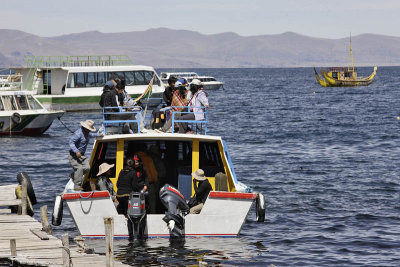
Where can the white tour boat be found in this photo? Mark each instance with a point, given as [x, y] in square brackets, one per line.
[20, 112]
[224, 212]
[75, 83]
[208, 82]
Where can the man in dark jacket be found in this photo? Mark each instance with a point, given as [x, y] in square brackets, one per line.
[169, 90]
[132, 178]
[202, 188]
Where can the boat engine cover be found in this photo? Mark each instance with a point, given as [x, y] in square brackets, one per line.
[172, 199]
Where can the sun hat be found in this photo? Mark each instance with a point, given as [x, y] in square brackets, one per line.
[196, 82]
[88, 124]
[104, 167]
[199, 175]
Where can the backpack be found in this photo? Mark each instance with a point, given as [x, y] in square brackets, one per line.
[106, 89]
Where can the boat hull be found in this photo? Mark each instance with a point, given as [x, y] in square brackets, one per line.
[212, 85]
[32, 123]
[223, 215]
[83, 103]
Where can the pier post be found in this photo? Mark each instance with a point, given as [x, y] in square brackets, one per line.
[45, 222]
[65, 251]
[109, 233]
[13, 247]
[24, 197]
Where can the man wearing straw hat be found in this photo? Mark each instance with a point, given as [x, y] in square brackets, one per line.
[77, 148]
[202, 188]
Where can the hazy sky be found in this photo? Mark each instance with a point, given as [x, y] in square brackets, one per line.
[317, 18]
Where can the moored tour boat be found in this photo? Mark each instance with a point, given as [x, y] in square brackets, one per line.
[344, 76]
[224, 212]
[208, 82]
[20, 112]
[75, 83]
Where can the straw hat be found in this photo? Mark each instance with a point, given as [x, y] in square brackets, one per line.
[199, 175]
[88, 124]
[104, 167]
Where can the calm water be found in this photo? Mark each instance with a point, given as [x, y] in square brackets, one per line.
[327, 160]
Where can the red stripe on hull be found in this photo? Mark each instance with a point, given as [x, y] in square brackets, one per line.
[85, 195]
[232, 195]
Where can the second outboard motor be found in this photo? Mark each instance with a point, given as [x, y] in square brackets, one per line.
[137, 216]
[176, 207]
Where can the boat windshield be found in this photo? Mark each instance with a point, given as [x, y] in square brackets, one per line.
[33, 103]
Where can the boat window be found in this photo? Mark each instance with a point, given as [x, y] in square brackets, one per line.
[9, 102]
[129, 78]
[100, 80]
[139, 78]
[210, 158]
[33, 102]
[1, 104]
[21, 102]
[334, 75]
[105, 152]
[156, 81]
[71, 81]
[213, 80]
[79, 79]
[90, 79]
[148, 75]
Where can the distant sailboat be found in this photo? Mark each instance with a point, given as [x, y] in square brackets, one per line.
[344, 76]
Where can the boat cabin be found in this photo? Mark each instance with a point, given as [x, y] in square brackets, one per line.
[342, 73]
[180, 154]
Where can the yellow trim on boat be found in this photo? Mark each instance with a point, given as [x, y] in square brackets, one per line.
[231, 184]
[119, 165]
[195, 158]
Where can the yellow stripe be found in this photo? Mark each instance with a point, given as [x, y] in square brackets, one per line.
[231, 184]
[195, 159]
[120, 162]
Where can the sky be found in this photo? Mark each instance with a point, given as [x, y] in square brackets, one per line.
[315, 18]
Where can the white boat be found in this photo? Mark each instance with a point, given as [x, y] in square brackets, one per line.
[209, 82]
[75, 83]
[224, 212]
[20, 112]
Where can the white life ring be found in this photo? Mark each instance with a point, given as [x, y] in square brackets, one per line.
[260, 207]
[56, 217]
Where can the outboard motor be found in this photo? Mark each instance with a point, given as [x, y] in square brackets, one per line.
[137, 216]
[176, 207]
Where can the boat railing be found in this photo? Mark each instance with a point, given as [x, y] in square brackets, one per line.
[11, 82]
[197, 126]
[114, 118]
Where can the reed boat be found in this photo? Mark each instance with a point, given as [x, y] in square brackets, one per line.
[344, 76]
[225, 210]
[20, 112]
[75, 83]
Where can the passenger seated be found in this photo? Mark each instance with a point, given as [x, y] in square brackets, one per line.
[202, 189]
[103, 179]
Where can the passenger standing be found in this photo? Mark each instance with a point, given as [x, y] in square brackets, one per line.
[77, 148]
[202, 188]
[169, 90]
[132, 178]
[198, 100]
[178, 103]
[152, 177]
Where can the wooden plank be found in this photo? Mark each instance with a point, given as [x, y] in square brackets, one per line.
[39, 233]
[12, 202]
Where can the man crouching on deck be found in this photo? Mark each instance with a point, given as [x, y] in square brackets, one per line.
[77, 148]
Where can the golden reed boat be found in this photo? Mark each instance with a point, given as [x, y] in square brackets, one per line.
[344, 76]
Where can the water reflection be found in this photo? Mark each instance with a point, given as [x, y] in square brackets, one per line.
[190, 251]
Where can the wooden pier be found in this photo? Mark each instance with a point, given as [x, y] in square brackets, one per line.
[26, 241]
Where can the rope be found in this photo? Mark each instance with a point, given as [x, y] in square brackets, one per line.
[66, 127]
[66, 249]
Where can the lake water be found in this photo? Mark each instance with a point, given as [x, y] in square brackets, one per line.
[326, 159]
